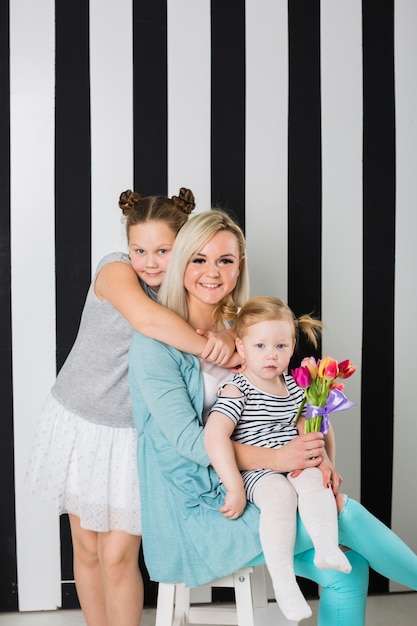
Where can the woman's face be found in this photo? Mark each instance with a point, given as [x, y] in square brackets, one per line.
[150, 246]
[213, 271]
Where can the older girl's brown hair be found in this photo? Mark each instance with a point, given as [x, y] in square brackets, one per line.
[173, 211]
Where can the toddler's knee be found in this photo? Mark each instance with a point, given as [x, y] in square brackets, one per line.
[272, 490]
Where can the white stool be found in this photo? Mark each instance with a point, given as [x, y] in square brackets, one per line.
[175, 608]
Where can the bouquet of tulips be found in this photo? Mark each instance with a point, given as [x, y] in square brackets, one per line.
[323, 394]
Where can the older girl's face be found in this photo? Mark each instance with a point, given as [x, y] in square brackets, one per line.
[150, 246]
[213, 271]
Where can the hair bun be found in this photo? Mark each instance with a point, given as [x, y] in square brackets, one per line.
[185, 201]
[128, 201]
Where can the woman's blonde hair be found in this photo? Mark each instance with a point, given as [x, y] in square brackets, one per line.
[191, 238]
[268, 308]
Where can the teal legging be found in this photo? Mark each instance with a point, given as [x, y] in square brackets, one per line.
[343, 596]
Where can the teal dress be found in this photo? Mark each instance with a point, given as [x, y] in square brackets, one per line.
[185, 538]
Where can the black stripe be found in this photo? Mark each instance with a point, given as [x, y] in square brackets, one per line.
[8, 574]
[228, 107]
[304, 174]
[150, 124]
[73, 191]
[150, 97]
[378, 261]
[72, 170]
[304, 163]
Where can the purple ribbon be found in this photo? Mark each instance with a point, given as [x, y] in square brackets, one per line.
[336, 401]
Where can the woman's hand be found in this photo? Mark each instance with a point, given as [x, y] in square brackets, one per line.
[220, 348]
[302, 452]
[331, 477]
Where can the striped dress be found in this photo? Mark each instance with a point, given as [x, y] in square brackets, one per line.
[260, 418]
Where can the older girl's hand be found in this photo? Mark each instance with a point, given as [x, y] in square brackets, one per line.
[220, 347]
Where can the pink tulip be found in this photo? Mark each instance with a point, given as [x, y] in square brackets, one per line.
[301, 376]
[346, 369]
[339, 386]
[310, 363]
[328, 368]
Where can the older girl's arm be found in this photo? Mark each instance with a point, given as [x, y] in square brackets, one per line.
[118, 283]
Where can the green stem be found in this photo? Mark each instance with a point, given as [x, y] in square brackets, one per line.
[300, 408]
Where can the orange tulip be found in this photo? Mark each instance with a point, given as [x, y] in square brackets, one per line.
[328, 368]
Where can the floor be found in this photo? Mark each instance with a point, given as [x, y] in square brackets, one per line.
[399, 609]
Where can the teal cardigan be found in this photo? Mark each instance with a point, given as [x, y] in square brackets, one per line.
[185, 538]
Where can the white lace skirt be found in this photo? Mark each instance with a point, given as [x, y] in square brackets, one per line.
[86, 469]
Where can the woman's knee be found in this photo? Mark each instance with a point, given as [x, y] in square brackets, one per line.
[357, 581]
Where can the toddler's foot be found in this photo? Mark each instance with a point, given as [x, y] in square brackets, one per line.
[332, 559]
[292, 603]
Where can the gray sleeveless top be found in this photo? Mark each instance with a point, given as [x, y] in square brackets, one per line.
[93, 381]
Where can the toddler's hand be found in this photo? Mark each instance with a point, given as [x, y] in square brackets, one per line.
[234, 504]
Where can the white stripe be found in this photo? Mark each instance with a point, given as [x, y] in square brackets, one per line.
[32, 68]
[404, 513]
[341, 88]
[267, 145]
[189, 99]
[111, 121]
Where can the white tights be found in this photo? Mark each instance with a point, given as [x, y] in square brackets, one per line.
[276, 497]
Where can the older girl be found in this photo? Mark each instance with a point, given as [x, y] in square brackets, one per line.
[84, 454]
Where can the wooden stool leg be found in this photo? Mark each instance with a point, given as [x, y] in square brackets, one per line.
[165, 604]
[259, 589]
[182, 605]
[243, 594]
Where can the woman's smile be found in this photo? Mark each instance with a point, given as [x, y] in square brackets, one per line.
[210, 285]
[212, 271]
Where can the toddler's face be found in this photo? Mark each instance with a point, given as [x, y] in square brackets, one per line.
[267, 347]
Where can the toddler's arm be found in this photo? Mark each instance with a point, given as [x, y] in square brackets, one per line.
[219, 447]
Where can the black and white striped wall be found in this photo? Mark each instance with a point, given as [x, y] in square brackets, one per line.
[298, 116]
